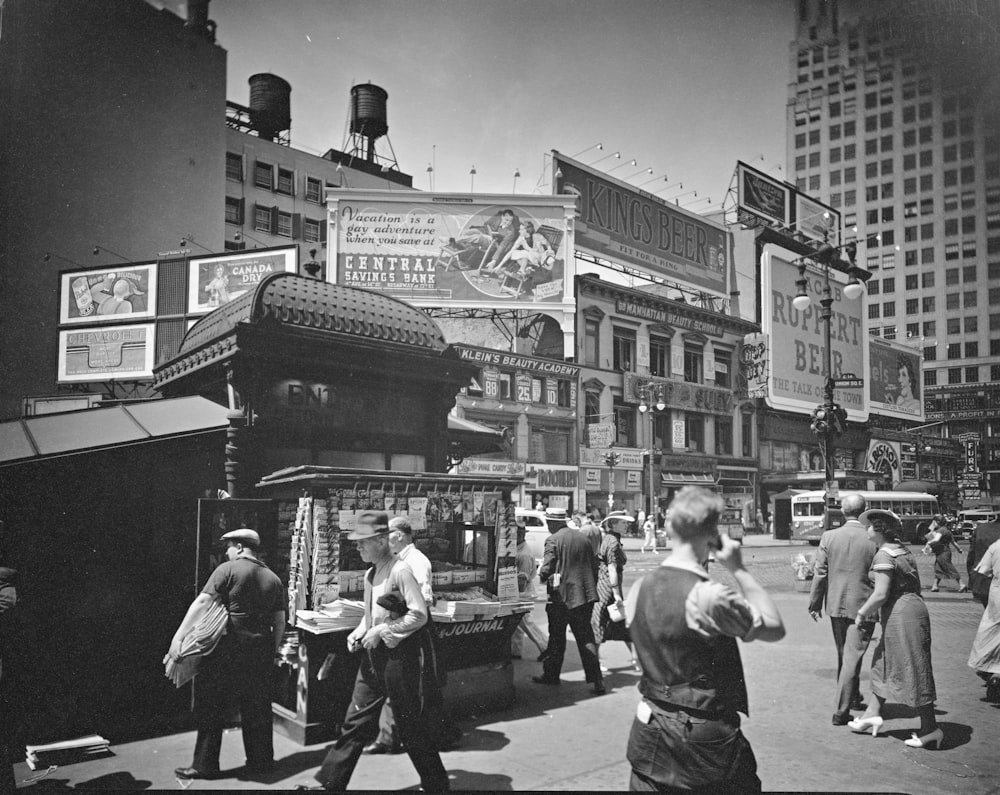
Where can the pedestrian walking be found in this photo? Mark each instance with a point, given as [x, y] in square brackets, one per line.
[568, 569]
[940, 542]
[238, 672]
[901, 666]
[982, 539]
[527, 580]
[984, 658]
[393, 651]
[649, 534]
[611, 560]
[840, 580]
[686, 732]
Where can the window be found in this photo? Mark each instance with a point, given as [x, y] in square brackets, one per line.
[968, 249]
[835, 154]
[746, 434]
[874, 311]
[261, 219]
[284, 224]
[695, 428]
[951, 276]
[930, 326]
[286, 182]
[659, 356]
[814, 183]
[723, 366]
[874, 287]
[926, 256]
[624, 349]
[927, 231]
[888, 260]
[951, 251]
[591, 342]
[970, 324]
[311, 230]
[912, 329]
[972, 375]
[694, 366]
[263, 175]
[969, 298]
[971, 349]
[849, 151]
[625, 425]
[954, 325]
[234, 211]
[969, 273]
[889, 309]
[954, 350]
[314, 190]
[814, 160]
[927, 279]
[928, 305]
[930, 353]
[723, 436]
[234, 167]
[930, 377]
[950, 227]
[912, 306]
[592, 408]
[911, 256]
[995, 372]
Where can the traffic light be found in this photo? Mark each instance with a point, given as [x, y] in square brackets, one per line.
[820, 421]
[838, 418]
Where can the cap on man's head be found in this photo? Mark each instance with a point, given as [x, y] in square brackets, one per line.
[369, 525]
[555, 513]
[243, 535]
[939, 518]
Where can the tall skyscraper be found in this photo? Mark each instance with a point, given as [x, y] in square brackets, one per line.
[892, 117]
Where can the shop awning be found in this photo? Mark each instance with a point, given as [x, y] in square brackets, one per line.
[461, 424]
[52, 435]
[675, 479]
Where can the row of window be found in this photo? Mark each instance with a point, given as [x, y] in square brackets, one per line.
[268, 176]
[275, 221]
[961, 375]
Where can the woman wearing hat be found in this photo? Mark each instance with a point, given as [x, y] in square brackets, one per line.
[939, 543]
[901, 667]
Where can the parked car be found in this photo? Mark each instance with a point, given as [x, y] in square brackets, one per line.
[969, 519]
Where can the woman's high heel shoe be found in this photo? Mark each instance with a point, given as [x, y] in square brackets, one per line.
[863, 724]
[936, 737]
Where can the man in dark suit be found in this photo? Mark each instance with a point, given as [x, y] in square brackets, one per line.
[840, 576]
[982, 538]
[568, 571]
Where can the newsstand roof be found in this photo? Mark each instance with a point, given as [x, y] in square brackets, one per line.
[298, 301]
[286, 303]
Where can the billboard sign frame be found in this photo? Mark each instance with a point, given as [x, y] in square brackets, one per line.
[113, 344]
[107, 295]
[796, 338]
[763, 197]
[241, 272]
[620, 222]
[890, 364]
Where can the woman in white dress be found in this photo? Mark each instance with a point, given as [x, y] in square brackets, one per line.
[985, 655]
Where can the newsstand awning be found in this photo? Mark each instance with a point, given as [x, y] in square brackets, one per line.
[467, 437]
[674, 479]
[52, 435]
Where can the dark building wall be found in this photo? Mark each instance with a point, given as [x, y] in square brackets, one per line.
[111, 133]
[104, 544]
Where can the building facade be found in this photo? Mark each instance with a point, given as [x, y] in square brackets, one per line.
[892, 118]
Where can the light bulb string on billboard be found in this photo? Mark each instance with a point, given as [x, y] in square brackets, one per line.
[829, 419]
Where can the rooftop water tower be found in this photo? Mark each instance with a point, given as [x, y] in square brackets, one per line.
[369, 122]
[270, 106]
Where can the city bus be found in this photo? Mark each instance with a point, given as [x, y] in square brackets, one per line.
[914, 508]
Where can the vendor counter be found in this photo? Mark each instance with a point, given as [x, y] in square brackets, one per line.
[466, 528]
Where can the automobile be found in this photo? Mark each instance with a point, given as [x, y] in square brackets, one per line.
[536, 527]
[969, 519]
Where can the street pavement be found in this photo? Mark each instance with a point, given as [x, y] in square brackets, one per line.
[565, 739]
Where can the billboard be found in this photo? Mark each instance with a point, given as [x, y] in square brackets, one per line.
[108, 353]
[796, 349]
[762, 198]
[815, 220]
[619, 222]
[894, 380]
[215, 280]
[451, 250]
[102, 295]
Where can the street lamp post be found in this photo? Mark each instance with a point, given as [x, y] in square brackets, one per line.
[650, 397]
[611, 459]
[829, 419]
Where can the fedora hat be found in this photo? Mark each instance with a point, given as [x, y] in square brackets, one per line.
[369, 525]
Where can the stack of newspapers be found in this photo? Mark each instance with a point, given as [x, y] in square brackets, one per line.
[334, 616]
[67, 752]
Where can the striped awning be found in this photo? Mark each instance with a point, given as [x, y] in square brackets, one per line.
[686, 479]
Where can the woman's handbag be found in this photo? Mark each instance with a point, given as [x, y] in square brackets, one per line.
[615, 613]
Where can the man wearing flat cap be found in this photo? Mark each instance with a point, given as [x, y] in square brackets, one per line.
[390, 646]
[240, 668]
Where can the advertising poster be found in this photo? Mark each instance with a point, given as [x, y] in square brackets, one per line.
[816, 221]
[796, 353]
[108, 353]
[435, 250]
[622, 223]
[894, 382]
[217, 280]
[763, 197]
[753, 365]
[107, 294]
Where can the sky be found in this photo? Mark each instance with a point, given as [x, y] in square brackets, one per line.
[683, 87]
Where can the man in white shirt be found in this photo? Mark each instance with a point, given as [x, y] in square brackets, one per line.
[391, 649]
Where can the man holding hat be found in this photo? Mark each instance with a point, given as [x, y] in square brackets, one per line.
[390, 644]
[239, 669]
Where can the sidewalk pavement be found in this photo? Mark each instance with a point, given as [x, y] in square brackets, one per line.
[565, 739]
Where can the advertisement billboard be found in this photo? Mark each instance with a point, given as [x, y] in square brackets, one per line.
[797, 339]
[454, 250]
[617, 221]
[765, 199]
[215, 280]
[108, 353]
[815, 220]
[894, 380]
[103, 295]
